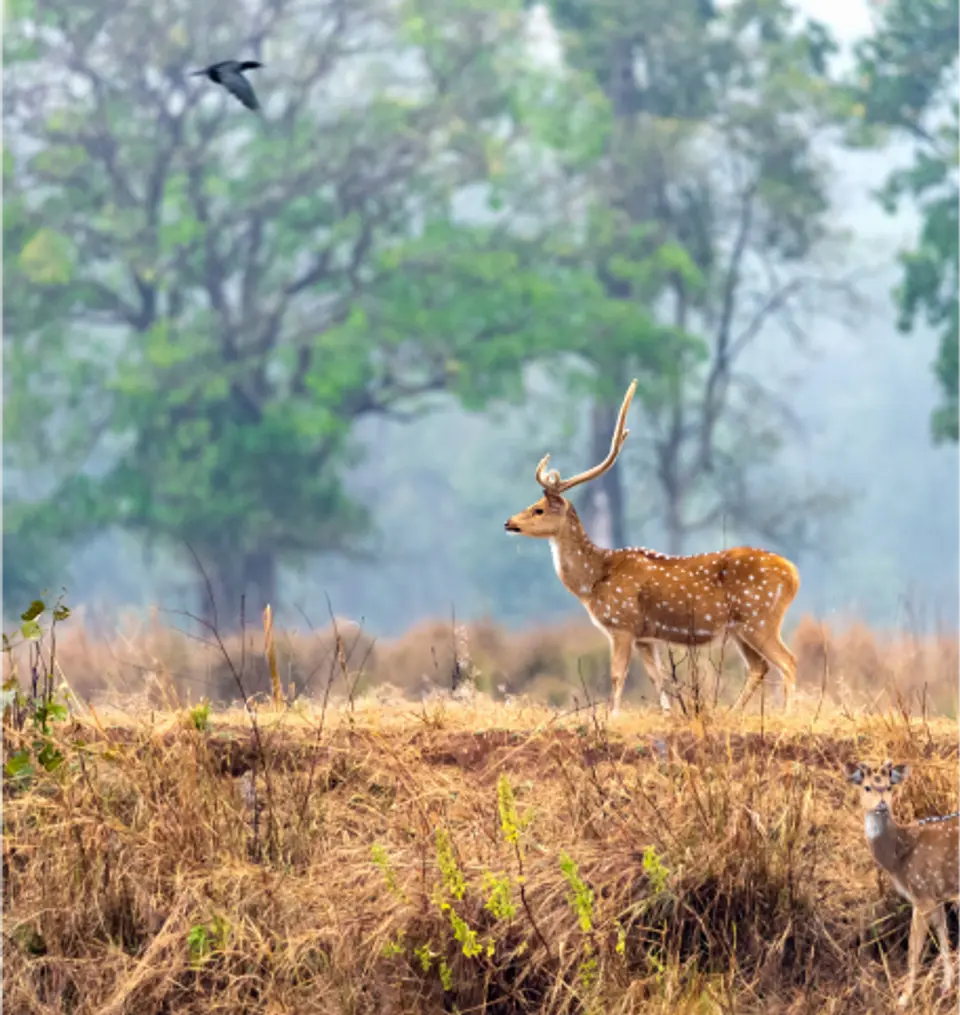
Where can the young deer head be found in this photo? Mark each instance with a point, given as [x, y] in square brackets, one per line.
[921, 858]
[641, 598]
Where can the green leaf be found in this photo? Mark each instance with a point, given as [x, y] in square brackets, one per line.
[50, 757]
[57, 711]
[33, 610]
[31, 630]
[19, 767]
[47, 258]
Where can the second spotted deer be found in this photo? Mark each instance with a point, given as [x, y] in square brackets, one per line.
[922, 860]
[641, 598]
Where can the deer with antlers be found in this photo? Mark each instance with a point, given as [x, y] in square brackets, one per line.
[922, 859]
[643, 598]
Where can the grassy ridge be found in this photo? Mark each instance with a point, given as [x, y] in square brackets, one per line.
[457, 856]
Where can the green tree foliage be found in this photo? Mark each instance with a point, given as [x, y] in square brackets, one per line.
[485, 303]
[907, 82]
[706, 202]
[38, 269]
[190, 285]
[31, 561]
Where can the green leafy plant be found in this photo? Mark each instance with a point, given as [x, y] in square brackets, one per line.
[453, 879]
[203, 939]
[395, 946]
[381, 859]
[200, 716]
[580, 896]
[41, 706]
[580, 899]
[655, 870]
[499, 901]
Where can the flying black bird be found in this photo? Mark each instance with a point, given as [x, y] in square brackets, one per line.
[229, 73]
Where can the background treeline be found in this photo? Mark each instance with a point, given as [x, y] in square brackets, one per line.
[325, 348]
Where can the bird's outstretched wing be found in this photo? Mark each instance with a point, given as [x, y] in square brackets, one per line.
[239, 86]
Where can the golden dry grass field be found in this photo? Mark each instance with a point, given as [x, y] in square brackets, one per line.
[359, 847]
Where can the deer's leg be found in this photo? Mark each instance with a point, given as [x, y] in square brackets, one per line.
[774, 653]
[786, 662]
[757, 667]
[939, 920]
[918, 935]
[621, 647]
[650, 654]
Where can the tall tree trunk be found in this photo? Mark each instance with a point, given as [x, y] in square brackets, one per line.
[674, 522]
[671, 459]
[260, 580]
[237, 579]
[605, 506]
[669, 468]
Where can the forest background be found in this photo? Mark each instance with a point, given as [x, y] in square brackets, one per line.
[320, 351]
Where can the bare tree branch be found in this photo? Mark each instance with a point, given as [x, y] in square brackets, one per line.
[711, 402]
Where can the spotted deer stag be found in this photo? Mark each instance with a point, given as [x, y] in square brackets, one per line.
[921, 858]
[643, 598]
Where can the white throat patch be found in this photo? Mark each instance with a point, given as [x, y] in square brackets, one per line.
[555, 553]
[874, 824]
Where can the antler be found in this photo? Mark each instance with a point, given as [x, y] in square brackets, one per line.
[551, 481]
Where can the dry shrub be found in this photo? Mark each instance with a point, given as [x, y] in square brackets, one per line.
[153, 663]
[851, 666]
[863, 663]
[422, 658]
[306, 662]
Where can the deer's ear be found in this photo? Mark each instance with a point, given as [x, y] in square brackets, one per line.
[898, 773]
[853, 772]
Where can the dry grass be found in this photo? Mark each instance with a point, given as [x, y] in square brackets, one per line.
[461, 855]
[159, 666]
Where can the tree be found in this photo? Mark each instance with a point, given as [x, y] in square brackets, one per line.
[27, 561]
[706, 205]
[906, 83]
[187, 343]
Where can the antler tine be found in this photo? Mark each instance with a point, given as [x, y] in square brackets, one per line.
[616, 443]
[548, 480]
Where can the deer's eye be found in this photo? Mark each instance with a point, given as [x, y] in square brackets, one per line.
[868, 788]
[538, 511]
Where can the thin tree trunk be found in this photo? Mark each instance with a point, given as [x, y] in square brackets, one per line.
[237, 579]
[668, 474]
[260, 580]
[671, 472]
[674, 522]
[217, 591]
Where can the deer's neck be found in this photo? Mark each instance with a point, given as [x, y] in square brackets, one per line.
[579, 562]
[889, 843]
